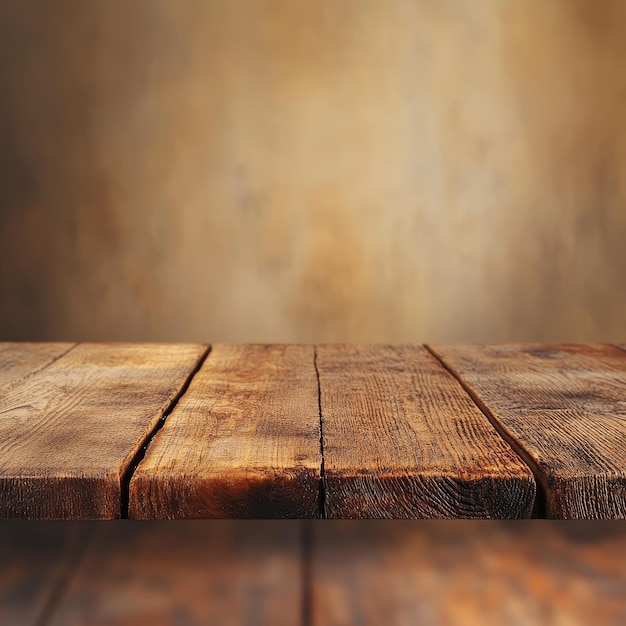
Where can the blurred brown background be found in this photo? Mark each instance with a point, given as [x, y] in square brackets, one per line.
[278, 170]
[336, 573]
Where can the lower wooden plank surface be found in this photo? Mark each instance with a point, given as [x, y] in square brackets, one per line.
[69, 432]
[242, 442]
[524, 573]
[189, 574]
[564, 408]
[402, 439]
[366, 572]
[36, 561]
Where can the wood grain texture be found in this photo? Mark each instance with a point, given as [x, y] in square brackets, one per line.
[402, 439]
[188, 574]
[242, 442]
[469, 573]
[564, 406]
[69, 432]
[36, 560]
[18, 360]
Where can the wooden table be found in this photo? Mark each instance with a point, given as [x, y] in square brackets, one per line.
[163, 431]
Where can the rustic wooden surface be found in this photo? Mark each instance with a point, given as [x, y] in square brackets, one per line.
[283, 431]
[242, 442]
[402, 439]
[564, 407]
[69, 432]
[188, 573]
[470, 573]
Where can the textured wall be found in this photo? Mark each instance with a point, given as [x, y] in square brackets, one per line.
[278, 170]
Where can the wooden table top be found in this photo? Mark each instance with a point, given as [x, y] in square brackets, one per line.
[163, 431]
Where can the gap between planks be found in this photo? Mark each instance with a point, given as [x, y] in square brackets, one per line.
[539, 508]
[322, 488]
[41, 368]
[141, 453]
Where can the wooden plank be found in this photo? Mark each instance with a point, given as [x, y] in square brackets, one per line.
[69, 432]
[564, 406]
[37, 558]
[402, 439]
[193, 572]
[18, 360]
[468, 572]
[242, 442]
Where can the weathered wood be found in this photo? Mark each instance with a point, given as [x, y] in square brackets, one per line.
[242, 442]
[564, 407]
[20, 360]
[201, 572]
[402, 439]
[36, 560]
[69, 432]
[470, 573]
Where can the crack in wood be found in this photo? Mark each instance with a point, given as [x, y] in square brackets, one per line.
[322, 486]
[141, 453]
[539, 506]
[39, 369]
